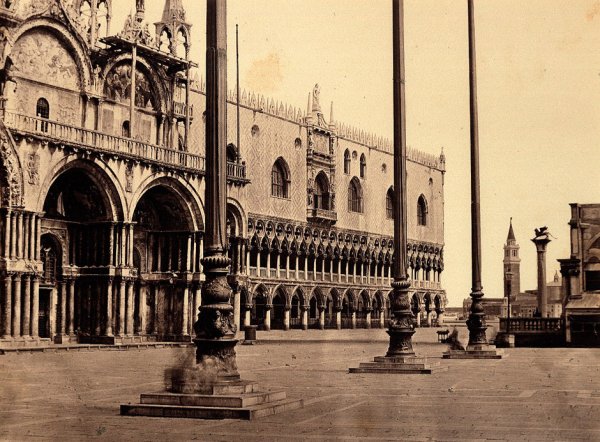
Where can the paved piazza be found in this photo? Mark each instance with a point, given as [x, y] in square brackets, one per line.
[533, 394]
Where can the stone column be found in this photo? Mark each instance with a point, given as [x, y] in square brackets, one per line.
[541, 242]
[13, 235]
[382, 317]
[142, 309]
[97, 309]
[62, 294]
[52, 323]
[122, 307]
[247, 315]
[429, 318]
[278, 263]
[287, 265]
[322, 317]
[305, 266]
[108, 325]
[354, 319]
[26, 305]
[130, 246]
[129, 321]
[267, 323]
[419, 318]
[338, 319]
[185, 327]
[215, 329]
[304, 317]
[7, 234]
[19, 232]
[7, 306]
[368, 319]
[16, 319]
[71, 294]
[35, 307]
[286, 319]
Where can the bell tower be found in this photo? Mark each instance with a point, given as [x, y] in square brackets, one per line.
[512, 265]
[173, 31]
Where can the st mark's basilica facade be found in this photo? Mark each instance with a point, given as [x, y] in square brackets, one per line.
[102, 186]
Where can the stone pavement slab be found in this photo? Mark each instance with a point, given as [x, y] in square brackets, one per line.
[535, 394]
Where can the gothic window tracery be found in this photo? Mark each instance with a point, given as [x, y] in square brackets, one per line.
[347, 162]
[322, 199]
[363, 166]
[389, 203]
[422, 211]
[355, 203]
[280, 179]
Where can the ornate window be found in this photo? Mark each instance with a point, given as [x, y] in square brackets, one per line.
[280, 179]
[422, 211]
[389, 203]
[355, 203]
[322, 199]
[363, 166]
[347, 162]
[42, 110]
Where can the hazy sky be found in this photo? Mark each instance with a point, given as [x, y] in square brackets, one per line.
[539, 101]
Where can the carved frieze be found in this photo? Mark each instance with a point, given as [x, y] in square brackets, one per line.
[39, 55]
[10, 174]
[118, 86]
[33, 168]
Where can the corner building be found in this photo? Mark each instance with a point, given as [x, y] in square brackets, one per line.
[102, 186]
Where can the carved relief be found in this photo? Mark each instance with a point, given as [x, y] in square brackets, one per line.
[129, 178]
[33, 168]
[11, 192]
[118, 86]
[39, 55]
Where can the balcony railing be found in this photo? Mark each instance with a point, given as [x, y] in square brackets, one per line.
[108, 143]
[236, 171]
[127, 147]
[321, 215]
[180, 108]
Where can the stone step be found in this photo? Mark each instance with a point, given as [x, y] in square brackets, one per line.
[193, 412]
[474, 354]
[398, 369]
[238, 387]
[394, 365]
[400, 360]
[199, 400]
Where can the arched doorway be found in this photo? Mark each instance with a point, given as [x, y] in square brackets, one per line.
[296, 310]
[277, 319]
[51, 284]
[313, 312]
[347, 309]
[169, 246]
[362, 310]
[82, 204]
[259, 307]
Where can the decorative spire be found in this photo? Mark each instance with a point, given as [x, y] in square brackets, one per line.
[172, 31]
[331, 114]
[511, 233]
[173, 11]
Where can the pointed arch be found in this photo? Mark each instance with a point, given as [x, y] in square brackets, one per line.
[355, 196]
[422, 211]
[280, 179]
[347, 162]
[389, 203]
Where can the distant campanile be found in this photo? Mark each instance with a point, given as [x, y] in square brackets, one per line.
[512, 265]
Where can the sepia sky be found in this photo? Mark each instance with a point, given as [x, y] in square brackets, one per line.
[539, 101]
